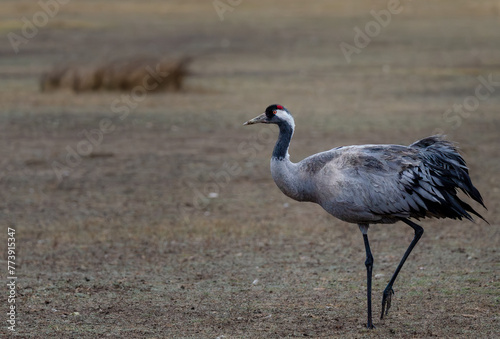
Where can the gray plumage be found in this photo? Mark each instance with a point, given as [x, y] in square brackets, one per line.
[382, 183]
[375, 184]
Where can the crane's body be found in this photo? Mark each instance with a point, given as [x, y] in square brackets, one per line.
[377, 183]
[373, 184]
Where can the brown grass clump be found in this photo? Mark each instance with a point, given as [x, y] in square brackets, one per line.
[118, 75]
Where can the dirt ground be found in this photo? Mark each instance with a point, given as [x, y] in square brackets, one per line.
[169, 225]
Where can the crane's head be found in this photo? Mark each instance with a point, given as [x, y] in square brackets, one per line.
[274, 114]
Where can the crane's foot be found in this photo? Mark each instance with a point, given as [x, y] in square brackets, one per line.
[386, 300]
[370, 326]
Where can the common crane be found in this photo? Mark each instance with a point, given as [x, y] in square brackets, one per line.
[375, 184]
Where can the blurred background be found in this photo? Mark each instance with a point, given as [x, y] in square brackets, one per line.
[143, 207]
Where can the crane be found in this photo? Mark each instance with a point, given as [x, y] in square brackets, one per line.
[375, 184]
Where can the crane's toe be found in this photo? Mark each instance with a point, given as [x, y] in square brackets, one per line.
[386, 300]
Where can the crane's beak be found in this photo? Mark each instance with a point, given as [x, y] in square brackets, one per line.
[260, 119]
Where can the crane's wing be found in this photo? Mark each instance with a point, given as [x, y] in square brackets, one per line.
[387, 182]
[420, 180]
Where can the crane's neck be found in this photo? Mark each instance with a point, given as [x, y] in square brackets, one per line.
[280, 151]
[284, 172]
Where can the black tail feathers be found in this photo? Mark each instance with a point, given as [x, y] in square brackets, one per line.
[447, 170]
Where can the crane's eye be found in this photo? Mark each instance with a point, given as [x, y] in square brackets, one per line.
[274, 112]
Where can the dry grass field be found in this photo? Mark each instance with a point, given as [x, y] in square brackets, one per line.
[168, 224]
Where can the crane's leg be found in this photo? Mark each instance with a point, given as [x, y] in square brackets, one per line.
[369, 269]
[388, 292]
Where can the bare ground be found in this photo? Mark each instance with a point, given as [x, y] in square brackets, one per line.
[129, 243]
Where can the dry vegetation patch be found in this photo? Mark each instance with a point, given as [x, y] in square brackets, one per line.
[118, 75]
